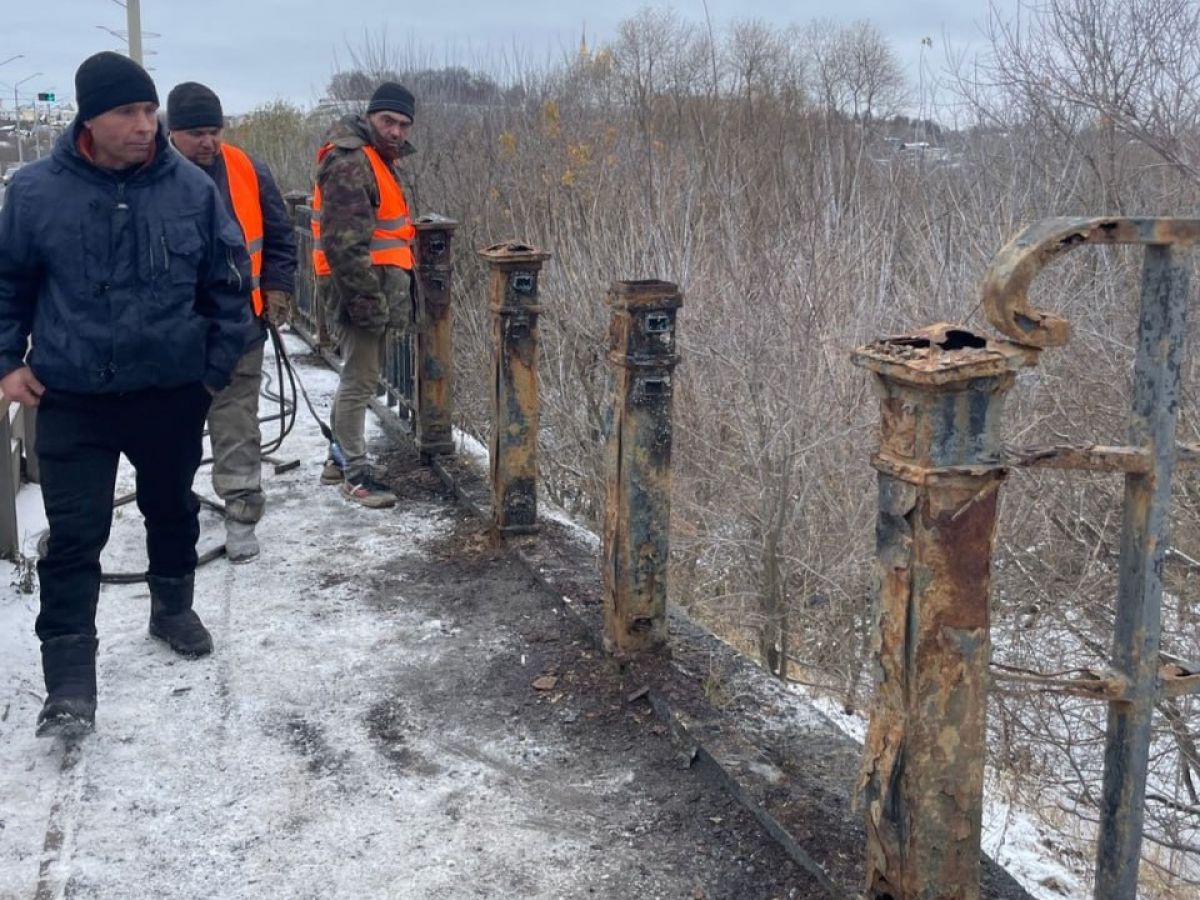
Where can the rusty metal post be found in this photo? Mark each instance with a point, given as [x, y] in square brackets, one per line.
[435, 337]
[1149, 464]
[10, 483]
[513, 300]
[638, 498]
[1144, 541]
[942, 394]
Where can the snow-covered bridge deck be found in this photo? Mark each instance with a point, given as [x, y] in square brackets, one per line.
[367, 727]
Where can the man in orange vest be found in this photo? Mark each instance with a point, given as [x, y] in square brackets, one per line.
[362, 254]
[195, 121]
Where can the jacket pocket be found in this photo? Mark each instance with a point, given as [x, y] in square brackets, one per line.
[181, 250]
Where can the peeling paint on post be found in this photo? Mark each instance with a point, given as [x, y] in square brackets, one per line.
[638, 501]
[435, 337]
[513, 296]
[942, 394]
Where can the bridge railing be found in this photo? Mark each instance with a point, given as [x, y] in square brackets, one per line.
[941, 465]
[642, 351]
[18, 429]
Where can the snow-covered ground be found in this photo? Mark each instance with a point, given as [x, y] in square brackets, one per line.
[367, 727]
[202, 752]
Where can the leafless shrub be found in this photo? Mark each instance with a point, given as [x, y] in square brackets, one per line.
[748, 164]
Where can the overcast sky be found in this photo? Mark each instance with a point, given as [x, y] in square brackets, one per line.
[254, 51]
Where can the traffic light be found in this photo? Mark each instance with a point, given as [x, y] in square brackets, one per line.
[46, 96]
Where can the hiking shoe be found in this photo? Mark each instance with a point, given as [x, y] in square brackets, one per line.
[367, 491]
[241, 544]
[332, 473]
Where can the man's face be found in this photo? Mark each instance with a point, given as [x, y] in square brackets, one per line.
[391, 130]
[124, 136]
[200, 145]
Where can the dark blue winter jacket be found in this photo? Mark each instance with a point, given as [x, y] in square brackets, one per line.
[126, 280]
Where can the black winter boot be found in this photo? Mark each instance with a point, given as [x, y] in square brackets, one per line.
[172, 618]
[69, 666]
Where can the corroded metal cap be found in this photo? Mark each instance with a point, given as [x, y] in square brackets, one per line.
[508, 253]
[942, 354]
[434, 222]
[649, 292]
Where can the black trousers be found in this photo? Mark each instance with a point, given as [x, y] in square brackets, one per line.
[80, 438]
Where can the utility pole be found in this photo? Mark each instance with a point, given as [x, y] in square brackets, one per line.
[133, 19]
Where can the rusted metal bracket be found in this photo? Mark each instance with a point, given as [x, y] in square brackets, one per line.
[1148, 462]
[513, 300]
[435, 336]
[1176, 678]
[1006, 283]
[1097, 458]
[642, 350]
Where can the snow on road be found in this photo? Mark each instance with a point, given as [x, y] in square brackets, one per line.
[365, 728]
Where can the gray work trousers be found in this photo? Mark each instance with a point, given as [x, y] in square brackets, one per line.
[237, 441]
[362, 363]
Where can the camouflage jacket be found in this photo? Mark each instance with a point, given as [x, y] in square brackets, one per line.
[357, 292]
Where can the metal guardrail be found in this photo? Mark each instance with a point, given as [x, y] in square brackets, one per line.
[309, 316]
[427, 345]
[18, 428]
[643, 352]
[941, 465]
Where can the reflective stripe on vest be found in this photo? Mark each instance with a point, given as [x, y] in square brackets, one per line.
[243, 191]
[391, 241]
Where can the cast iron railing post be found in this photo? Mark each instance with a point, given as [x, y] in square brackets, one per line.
[638, 496]
[941, 396]
[435, 337]
[513, 300]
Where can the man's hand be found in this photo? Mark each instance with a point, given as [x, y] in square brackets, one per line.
[279, 305]
[20, 386]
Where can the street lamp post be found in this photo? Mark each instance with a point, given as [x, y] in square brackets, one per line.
[133, 22]
[17, 116]
[130, 39]
[10, 59]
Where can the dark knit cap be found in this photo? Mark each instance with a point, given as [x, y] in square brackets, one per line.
[393, 97]
[108, 80]
[192, 105]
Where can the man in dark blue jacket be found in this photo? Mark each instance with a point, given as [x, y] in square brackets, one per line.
[196, 124]
[124, 290]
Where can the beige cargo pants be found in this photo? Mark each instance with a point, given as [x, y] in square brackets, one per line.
[237, 442]
[362, 352]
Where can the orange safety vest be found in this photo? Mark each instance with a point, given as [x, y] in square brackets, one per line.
[391, 242]
[243, 190]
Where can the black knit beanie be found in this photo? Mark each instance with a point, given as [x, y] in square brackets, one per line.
[393, 97]
[108, 80]
[192, 105]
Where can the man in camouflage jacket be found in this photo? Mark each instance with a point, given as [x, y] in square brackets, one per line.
[362, 297]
